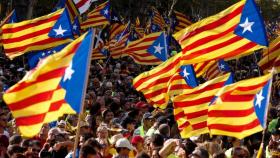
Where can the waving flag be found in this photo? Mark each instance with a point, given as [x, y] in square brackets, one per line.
[250, 99]
[157, 21]
[201, 68]
[11, 18]
[83, 5]
[54, 88]
[191, 106]
[217, 69]
[189, 75]
[160, 83]
[271, 57]
[98, 51]
[180, 21]
[38, 34]
[149, 50]
[70, 6]
[234, 32]
[99, 16]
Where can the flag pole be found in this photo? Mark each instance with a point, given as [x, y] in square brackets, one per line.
[259, 155]
[77, 138]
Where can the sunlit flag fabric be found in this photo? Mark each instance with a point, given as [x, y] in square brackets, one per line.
[83, 5]
[54, 88]
[70, 6]
[162, 82]
[149, 50]
[191, 106]
[245, 101]
[99, 16]
[11, 18]
[218, 68]
[271, 57]
[234, 32]
[35, 57]
[180, 21]
[37, 34]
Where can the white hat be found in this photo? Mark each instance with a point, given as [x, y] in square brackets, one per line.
[124, 143]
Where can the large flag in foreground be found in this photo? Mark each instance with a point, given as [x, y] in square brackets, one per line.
[234, 32]
[271, 57]
[240, 109]
[55, 87]
[191, 106]
[37, 34]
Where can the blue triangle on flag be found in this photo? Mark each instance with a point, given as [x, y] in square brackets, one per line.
[76, 26]
[63, 27]
[75, 77]
[34, 57]
[159, 48]
[261, 101]
[188, 73]
[13, 18]
[251, 25]
[106, 12]
[223, 66]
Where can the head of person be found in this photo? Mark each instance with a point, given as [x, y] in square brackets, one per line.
[35, 148]
[85, 128]
[3, 120]
[87, 151]
[128, 124]
[43, 134]
[148, 120]
[157, 141]
[199, 153]
[13, 150]
[138, 143]
[123, 147]
[164, 130]
[61, 125]
[15, 139]
[107, 116]
[95, 144]
[102, 132]
[142, 155]
[240, 152]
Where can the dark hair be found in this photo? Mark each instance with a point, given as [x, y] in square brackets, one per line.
[164, 130]
[203, 153]
[142, 155]
[157, 140]
[94, 143]
[189, 146]
[15, 139]
[87, 150]
[14, 149]
[126, 121]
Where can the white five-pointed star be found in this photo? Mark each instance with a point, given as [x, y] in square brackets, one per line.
[158, 49]
[115, 18]
[75, 27]
[222, 66]
[247, 26]
[43, 54]
[259, 99]
[106, 12]
[59, 31]
[185, 73]
[68, 73]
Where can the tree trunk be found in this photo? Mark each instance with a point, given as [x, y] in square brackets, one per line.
[31, 5]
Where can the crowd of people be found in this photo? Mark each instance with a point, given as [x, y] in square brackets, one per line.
[117, 121]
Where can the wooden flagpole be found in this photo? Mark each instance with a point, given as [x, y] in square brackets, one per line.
[77, 138]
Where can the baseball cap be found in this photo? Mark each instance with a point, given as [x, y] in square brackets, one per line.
[148, 115]
[137, 139]
[124, 143]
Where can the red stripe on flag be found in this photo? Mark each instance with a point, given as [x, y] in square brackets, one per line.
[195, 102]
[231, 113]
[30, 120]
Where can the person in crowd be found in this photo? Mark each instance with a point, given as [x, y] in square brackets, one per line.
[123, 148]
[146, 124]
[138, 143]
